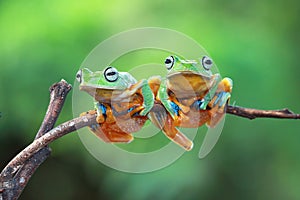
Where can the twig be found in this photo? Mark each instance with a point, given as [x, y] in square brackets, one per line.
[35, 153]
[49, 137]
[251, 113]
[58, 94]
[18, 179]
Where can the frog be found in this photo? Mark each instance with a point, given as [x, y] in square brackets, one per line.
[121, 103]
[190, 96]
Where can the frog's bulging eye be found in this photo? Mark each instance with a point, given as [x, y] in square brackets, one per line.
[79, 76]
[111, 74]
[207, 62]
[169, 62]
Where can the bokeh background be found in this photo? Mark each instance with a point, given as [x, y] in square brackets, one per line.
[256, 43]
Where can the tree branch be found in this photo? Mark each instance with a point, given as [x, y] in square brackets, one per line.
[251, 113]
[57, 132]
[88, 119]
[19, 170]
[16, 180]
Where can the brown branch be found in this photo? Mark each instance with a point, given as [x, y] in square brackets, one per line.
[58, 94]
[16, 180]
[87, 120]
[251, 113]
[27, 161]
[57, 132]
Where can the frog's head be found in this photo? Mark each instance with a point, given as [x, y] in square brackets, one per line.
[176, 65]
[108, 79]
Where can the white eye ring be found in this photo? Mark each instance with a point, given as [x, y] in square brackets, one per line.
[207, 62]
[79, 76]
[169, 62]
[111, 74]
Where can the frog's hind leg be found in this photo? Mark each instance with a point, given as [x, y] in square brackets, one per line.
[175, 135]
[96, 129]
[165, 122]
[106, 128]
[111, 133]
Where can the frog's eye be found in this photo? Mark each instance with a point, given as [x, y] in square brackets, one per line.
[169, 62]
[79, 76]
[207, 62]
[111, 74]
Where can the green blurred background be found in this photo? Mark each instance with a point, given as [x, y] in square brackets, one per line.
[256, 43]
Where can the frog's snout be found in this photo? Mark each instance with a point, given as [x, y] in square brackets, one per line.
[79, 76]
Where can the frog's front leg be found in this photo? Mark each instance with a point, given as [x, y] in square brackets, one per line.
[148, 97]
[104, 113]
[163, 96]
[126, 110]
[202, 104]
[142, 89]
[218, 102]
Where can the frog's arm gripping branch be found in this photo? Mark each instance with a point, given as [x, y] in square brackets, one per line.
[19, 170]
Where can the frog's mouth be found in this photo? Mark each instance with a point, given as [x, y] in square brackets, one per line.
[190, 73]
[96, 87]
[102, 94]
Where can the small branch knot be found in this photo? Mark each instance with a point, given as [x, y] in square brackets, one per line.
[286, 111]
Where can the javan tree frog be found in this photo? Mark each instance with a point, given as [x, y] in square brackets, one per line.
[121, 102]
[192, 96]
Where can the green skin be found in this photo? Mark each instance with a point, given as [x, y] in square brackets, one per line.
[118, 90]
[97, 80]
[191, 67]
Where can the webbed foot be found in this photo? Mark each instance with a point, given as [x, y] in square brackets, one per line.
[219, 101]
[91, 112]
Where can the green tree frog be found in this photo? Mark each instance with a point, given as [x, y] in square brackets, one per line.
[192, 96]
[121, 102]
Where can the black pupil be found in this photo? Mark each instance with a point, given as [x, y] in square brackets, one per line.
[78, 76]
[208, 62]
[168, 61]
[111, 73]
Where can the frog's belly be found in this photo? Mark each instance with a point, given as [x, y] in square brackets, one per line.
[187, 85]
[187, 89]
[187, 92]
